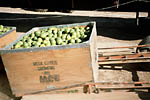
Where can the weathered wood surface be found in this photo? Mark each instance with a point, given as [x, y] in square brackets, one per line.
[34, 71]
[123, 54]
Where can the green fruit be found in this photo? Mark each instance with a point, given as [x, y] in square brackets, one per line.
[64, 43]
[45, 42]
[62, 29]
[42, 45]
[55, 30]
[37, 44]
[72, 30]
[76, 29]
[64, 36]
[29, 44]
[24, 40]
[85, 36]
[17, 46]
[53, 42]
[67, 30]
[82, 33]
[33, 43]
[72, 41]
[25, 45]
[20, 43]
[38, 33]
[51, 28]
[55, 36]
[78, 40]
[29, 40]
[73, 37]
[50, 35]
[35, 38]
[48, 43]
[44, 30]
[43, 35]
[32, 35]
[25, 37]
[87, 28]
[68, 37]
[49, 31]
[59, 41]
[39, 40]
[5, 30]
[74, 33]
[46, 33]
[60, 34]
[78, 35]
[47, 38]
[1, 26]
[81, 28]
[52, 39]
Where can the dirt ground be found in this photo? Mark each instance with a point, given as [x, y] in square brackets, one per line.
[113, 29]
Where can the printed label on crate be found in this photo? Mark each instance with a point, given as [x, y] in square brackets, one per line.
[46, 67]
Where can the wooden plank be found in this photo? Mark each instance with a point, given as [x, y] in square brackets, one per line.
[125, 58]
[124, 61]
[125, 87]
[147, 45]
[94, 53]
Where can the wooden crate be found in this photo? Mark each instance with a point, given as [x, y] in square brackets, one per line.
[6, 39]
[48, 68]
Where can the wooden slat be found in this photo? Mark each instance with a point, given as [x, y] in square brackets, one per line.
[124, 61]
[148, 45]
[126, 87]
[124, 58]
[117, 83]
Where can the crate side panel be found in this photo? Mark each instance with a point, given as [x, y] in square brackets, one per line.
[7, 39]
[34, 71]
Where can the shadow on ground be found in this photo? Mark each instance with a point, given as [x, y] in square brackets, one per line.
[143, 95]
[139, 73]
[5, 90]
[117, 28]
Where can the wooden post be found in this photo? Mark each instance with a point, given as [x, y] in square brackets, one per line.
[72, 3]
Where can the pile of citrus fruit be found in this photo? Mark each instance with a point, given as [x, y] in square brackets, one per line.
[54, 36]
[4, 29]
